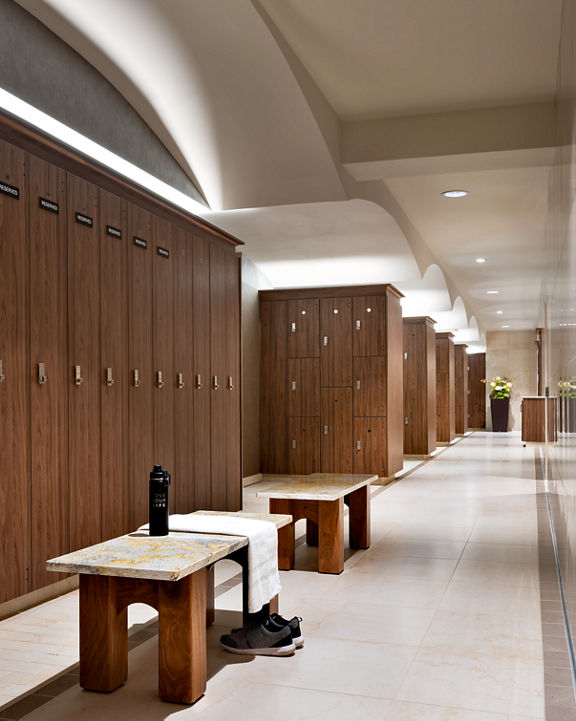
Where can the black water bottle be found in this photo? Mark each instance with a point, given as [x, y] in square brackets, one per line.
[158, 505]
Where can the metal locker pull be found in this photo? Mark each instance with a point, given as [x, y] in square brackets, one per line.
[230, 384]
[293, 444]
[325, 430]
[78, 380]
[159, 380]
[215, 384]
[357, 325]
[109, 377]
[198, 383]
[179, 380]
[2, 376]
[358, 445]
[41, 374]
[405, 356]
[293, 385]
[325, 340]
[293, 327]
[357, 385]
[136, 378]
[406, 421]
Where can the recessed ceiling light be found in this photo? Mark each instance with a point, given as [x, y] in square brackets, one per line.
[492, 292]
[480, 260]
[499, 312]
[454, 193]
[505, 326]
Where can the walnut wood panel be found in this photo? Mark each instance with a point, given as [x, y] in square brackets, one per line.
[14, 397]
[304, 445]
[337, 430]
[84, 353]
[304, 387]
[461, 388]
[232, 384]
[445, 401]
[477, 396]
[336, 342]
[163, 346]
[358, 503]
[539, 416]
[419, 386]
[370, 446]
[369, 386]
[48, 345]
[304, 328]
[369, 325]
[218, 366]
[114, 356]
[182, 496]
[274, 387]
[201, 339]
[395, 383]
[140, 361]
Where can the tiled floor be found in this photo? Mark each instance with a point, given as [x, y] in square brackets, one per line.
[438, 621]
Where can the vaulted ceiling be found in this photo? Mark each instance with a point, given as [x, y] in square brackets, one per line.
[323, 132]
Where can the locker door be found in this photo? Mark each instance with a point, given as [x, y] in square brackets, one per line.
[337, 430]
[201, 441]
[370, 446]
[184, 370]
[233, 385]
[336, 342]
[49, 381]
[303, 322]
[14, 473]
[140, 251]
[370, 386]
[163, 342]
[218, 365]
[113, 375]
[304, 387]
[304, 445]
[84, 363]
[369, 323]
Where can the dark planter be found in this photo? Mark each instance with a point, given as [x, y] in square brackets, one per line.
[571, 415]
[499, 408]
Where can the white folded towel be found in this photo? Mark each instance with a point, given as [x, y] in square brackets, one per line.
[263, 576]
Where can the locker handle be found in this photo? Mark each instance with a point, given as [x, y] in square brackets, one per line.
[357, 325]
[42, 378]
[357, 385]
[293, 385]
[325, 340]
[109, 377]
[2, 376]
[198, 381]
[136, 378]
[78, 380]
[179, 380]
[230, 384]
[406, 421]
[293, 327]
[159, 380]
[358, 445]
[325, 430]
[293, 444]
[215, 384]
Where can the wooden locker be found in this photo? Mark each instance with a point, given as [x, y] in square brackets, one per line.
[218, 365]
[303, 387]
[445, 402]
[163, 344]
[394, 382]
[337, 430]
[304, 446]
[14, 378]
[84, 362]
[370, 453]
[419, 386]
[369, 325]
[274, 386]
[460, 388]
[369, 386]
[114, 375]
[477, 396]
[183, 500]
[202, 389]
[48, 370]
[304, 329]
[233, 384]
[140, 249]
[336, 342]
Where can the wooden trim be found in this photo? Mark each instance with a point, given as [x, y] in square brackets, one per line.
[329, 292]
[31, 140]
[447, 335]
[419, 319]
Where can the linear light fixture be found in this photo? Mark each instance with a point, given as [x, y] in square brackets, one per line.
[454, 193]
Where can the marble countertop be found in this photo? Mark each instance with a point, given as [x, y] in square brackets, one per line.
[316, 486]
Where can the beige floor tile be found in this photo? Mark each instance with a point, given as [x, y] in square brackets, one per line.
[405, 711]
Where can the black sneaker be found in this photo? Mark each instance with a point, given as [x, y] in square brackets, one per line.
[266, 639]
[293, 624]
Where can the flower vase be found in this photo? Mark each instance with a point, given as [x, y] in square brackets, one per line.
[499, 408]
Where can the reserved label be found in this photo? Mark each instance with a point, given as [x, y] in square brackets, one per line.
[110, 230]
[164, 252]
[84, 220]
[140, 242]
[50, 205]
[11, 190]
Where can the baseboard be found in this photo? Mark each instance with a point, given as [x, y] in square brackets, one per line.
[35, 598]
[250, 480]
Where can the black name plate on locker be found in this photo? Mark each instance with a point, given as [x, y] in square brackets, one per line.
[84, 220]
[48, 205]
[113, 231]
[140, 242]
[164, 252]
[10, 190]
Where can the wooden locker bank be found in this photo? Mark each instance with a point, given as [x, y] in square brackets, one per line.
[332, 380]
[119, 348]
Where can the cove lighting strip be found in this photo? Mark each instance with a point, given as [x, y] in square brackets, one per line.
[31, 115]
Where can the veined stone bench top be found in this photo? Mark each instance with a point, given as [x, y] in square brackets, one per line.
[161, 558]
[316, 486]
[279, 519]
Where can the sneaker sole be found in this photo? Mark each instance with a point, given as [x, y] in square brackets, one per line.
[279, 651]
[298, 641]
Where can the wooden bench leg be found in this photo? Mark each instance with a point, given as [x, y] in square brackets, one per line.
[359, 518]
[286, 535]
[103, 634]
[210, 603]
[331, 536]
[182, 638]
[311, 532]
